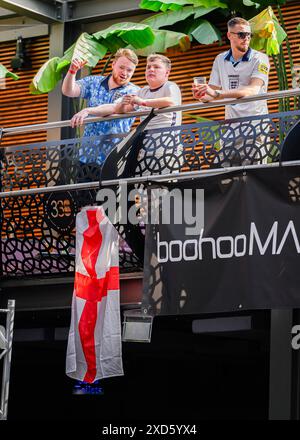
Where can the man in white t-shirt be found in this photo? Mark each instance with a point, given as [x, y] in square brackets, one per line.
[239, 73]
[161, 151]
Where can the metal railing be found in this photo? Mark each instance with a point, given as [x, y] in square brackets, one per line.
[45, 184]
[270, 96]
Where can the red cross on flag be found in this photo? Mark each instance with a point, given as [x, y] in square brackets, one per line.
[94, 346]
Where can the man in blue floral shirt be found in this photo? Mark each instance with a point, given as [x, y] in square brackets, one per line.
[103, 91]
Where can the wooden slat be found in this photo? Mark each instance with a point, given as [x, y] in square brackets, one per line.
[17, 105]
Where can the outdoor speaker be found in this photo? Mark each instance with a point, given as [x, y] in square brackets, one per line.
[20, 60]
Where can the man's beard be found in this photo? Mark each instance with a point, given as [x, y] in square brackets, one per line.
[243, 48]
[118, 80]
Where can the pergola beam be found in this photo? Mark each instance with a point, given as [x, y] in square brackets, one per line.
[39, 10]
[92, 10]
[5, 13]
[71, 11]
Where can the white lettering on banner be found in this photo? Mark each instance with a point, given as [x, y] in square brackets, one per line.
[226, 246]
[289, 228]
[262, 249]
[296, 339]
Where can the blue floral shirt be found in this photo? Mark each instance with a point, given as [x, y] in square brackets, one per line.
[96, 91]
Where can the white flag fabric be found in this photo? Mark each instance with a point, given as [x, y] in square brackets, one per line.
[94, 346]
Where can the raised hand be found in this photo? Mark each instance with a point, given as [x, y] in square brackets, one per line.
[76, 65]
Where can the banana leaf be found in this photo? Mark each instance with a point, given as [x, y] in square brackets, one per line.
[5, 73]
[250, 3]
[46, 78]
[138, 35]
[268, 35]
[206, 33]
[86, 48]
[161, 6]
[171, 17]
[166, 5]
[91, 48]
[164, 40]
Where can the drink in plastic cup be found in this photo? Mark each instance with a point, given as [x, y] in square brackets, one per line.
[199, 80]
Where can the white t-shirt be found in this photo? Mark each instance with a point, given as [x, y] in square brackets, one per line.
[168, 89]
[230, 76]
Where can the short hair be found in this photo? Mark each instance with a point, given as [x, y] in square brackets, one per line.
[237, 20]
[157, 56]
[128, 53]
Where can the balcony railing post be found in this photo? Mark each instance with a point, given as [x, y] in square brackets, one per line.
[7, 358]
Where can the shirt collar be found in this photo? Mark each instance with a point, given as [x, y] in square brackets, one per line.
[104, 84]
[246, 57]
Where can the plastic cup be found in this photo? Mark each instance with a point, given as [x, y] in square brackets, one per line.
[199, 80]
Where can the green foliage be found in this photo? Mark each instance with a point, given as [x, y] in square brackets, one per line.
[268, 35]
[171, 17]
[46, 78]
[206, 33]
[86, 48]
[138, 35]
[92, 48]
[5, 73]
[166, 5]
[187, 20]
[165, 39]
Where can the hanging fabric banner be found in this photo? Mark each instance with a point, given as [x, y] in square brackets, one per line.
[228, 242]
[94, 344]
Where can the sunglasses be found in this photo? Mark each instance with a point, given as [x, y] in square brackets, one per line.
[242, 35]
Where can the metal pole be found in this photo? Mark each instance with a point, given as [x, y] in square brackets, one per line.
[280, 378]
[143, 179]
[7, 358]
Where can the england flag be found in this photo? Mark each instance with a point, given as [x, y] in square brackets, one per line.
[94, 346]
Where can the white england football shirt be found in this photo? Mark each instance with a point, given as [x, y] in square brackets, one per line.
[169, 89]
[228, 76]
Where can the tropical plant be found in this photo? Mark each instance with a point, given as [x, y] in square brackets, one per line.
[92, 48]
[5, 73]
[269, 34]
[187, 17]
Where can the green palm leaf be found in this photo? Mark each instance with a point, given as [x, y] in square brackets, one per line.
[91, 48]
[164, 40]
[169, 5]
[46, 78]
[86, 48]
[268, 35]
[161, 6]
[138, 35]
[171, 17]
[205, 32]
[4, 73]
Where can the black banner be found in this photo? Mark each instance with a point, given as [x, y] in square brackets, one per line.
[247, 255]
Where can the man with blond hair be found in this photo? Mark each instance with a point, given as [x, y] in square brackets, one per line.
[101, 94]
[238, 73]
